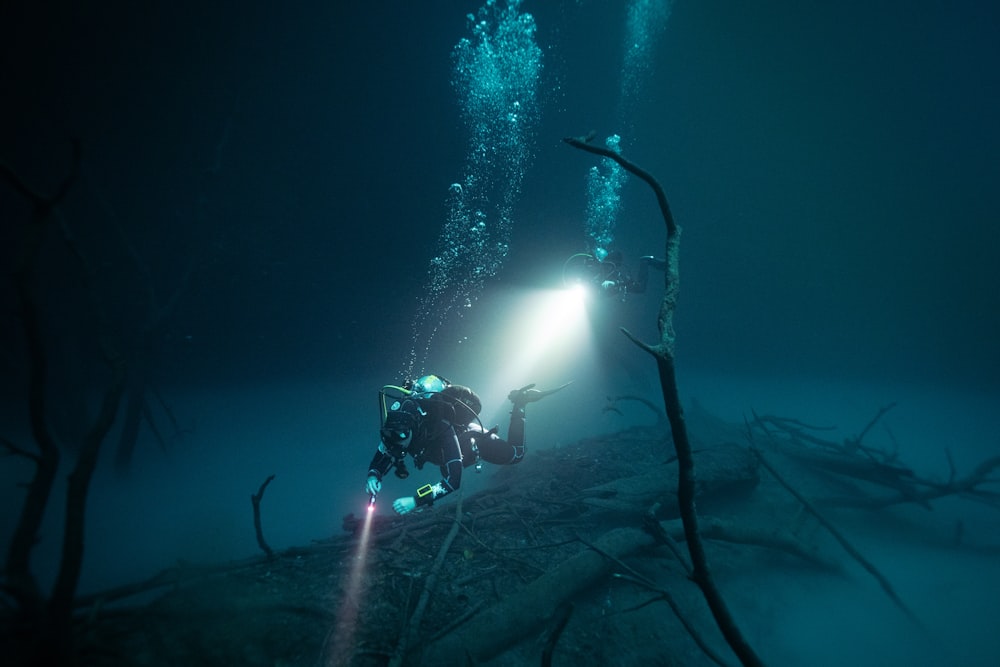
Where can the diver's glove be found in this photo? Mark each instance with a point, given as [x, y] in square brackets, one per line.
[528, 394]
[404, 505]
[374, 485]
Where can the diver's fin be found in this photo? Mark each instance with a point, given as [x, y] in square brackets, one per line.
[552, 391]
[528, 394]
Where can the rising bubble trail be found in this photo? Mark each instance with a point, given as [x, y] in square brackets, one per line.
[495, 77]
[645, 20]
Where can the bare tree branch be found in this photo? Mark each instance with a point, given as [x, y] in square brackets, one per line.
[663, 352]
[848, 547]
[255, 499]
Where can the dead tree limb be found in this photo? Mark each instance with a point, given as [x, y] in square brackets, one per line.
[255, 499]
[722, 530]
[78, 485]
[612, 405]
[875, 467]
[558, 625]
[458, 620]
[664, 594]
[630, 574]
[663, 352]
[660, 534]
[855, 442]
[51, 639]
[408, 638]
[798, 433]
[837, 535]
[14, 450]
[61, 602]
[967, 487]
[19, 581]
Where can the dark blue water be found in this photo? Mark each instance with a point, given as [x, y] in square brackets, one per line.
[286, 173]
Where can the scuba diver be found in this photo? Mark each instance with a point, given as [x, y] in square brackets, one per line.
[436, 421]
[610, 275]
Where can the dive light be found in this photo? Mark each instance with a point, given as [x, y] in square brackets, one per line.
[371, 502]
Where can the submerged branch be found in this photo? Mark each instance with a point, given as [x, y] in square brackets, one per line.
[663, 353]
[255, 499]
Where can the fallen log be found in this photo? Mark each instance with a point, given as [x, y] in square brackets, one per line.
[724, 471]
[517, 616]
[522, 614]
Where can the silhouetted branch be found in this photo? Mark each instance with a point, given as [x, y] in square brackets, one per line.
[408, 637]
[19, 580]
[631, 575]
[612, 405]
[663, 352]
[255, 499]
[837, 535]
[61, 602]
[558, 625]
[51, 639]
[855, 442]
[967, 487]
[13, 449]
[875, 467]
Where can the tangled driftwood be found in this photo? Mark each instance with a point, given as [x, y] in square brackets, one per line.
[877, 468]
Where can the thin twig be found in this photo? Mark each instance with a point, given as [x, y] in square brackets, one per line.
[837, 535]
[457, 621]
[559, 624]
[636, 577]
[651, 525]
[408, 637]
[17, 451]
[856, 442]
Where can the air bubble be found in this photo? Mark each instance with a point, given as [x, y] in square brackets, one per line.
[645, 20]
[604, 184]
[495, 76]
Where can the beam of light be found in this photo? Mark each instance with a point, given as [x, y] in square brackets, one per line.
[543, 337]
[341, 637]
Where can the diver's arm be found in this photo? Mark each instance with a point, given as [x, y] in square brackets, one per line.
[451, 472]
[381, 463]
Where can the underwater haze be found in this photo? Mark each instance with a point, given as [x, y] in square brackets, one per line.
[282, 210]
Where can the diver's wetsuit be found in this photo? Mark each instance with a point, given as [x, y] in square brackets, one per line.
[448, 434]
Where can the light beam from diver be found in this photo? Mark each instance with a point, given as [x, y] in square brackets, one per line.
[345, 624]
[544, 336]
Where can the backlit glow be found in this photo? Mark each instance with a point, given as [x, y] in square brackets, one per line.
[544, 338]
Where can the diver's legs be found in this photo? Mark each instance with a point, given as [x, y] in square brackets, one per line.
[494, 449]
[497, 451]
[515, 432]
